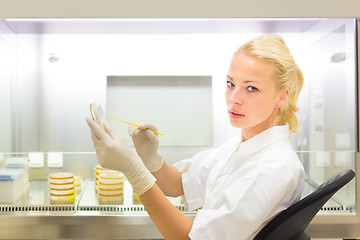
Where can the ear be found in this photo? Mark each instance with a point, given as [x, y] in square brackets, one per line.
[282, 98]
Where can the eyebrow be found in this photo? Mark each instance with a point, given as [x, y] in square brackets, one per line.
[246, 81]
[229, 77]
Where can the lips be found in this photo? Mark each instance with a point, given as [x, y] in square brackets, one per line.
[235, 114]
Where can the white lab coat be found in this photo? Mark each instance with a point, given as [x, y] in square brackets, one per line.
[241, 186]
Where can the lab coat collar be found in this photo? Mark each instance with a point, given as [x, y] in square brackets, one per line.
[264, 139]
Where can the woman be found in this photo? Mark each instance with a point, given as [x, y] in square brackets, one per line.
[239, 186]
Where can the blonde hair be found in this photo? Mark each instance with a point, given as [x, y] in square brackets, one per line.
[287, 74]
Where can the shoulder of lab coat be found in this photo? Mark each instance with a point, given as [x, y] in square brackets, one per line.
[243, 203]
[242, 209]
[242, 194]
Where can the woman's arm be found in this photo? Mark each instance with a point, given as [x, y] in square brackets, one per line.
[169, 180]
[171, 223]
[113, 152]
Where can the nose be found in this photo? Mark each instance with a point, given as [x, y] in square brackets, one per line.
[235, 97]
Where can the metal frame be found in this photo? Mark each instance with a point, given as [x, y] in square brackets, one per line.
[138, 225]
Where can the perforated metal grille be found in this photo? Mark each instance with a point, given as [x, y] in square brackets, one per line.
[120, 208]
[87, 202]
[337, 208]
[56, 208]
[60, 208]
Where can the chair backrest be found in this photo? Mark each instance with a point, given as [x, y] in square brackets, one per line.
[292, 222]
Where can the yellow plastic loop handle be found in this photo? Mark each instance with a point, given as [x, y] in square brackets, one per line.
[134, 125]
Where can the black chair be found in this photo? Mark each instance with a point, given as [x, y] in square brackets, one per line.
[291, 223]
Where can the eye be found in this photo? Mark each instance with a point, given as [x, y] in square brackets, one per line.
[230, 84]
[252, 89]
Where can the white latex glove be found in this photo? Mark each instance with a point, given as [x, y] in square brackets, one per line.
[113, 152]
[146, 144]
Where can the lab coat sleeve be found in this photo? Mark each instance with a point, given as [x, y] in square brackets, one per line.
[242, 209]
[195, 173]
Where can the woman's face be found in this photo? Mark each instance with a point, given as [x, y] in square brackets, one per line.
[251, 96]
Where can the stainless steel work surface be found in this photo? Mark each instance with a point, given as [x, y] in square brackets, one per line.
[33, 217]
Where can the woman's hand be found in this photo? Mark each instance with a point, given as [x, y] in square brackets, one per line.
[146, 144]
[113, 152]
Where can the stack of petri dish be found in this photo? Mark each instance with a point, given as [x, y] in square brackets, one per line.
[61, 188]
[97, 170]
[110, 188]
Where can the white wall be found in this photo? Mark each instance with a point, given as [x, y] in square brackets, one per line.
[7, 61]
[27, 90]
[79, 76]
